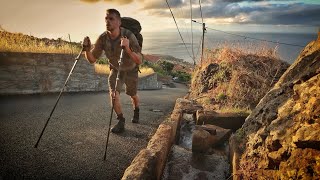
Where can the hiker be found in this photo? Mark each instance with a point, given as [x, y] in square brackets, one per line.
[111, 42]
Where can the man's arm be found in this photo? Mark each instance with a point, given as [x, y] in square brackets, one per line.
[132, 48]
[91, 55]
[136, 57]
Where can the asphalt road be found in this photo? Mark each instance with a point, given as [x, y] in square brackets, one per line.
[73, 144]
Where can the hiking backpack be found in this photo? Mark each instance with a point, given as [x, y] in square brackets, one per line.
[134, 26]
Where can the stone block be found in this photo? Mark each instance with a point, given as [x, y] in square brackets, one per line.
[231, 121]
[142, 167]
[160, 144]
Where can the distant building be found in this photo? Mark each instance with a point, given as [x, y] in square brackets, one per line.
[151, 58]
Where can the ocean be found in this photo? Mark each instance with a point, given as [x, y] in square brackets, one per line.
[170, 43]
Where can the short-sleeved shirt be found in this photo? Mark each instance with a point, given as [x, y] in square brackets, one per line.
[112, 49]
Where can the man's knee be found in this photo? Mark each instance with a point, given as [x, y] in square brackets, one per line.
[114, 94]
[134, 97]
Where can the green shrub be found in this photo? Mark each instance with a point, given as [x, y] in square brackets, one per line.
[102, 60]
[182, 76]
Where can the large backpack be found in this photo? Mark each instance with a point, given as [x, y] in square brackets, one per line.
[134, 26]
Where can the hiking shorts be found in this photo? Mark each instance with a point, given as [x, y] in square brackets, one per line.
[129, 78]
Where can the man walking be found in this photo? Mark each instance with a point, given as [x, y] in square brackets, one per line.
[111, 42]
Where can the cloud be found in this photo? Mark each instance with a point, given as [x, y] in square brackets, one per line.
[276, 12]
[295, 14]
[243, 12]
[90, 1]
[160, 4]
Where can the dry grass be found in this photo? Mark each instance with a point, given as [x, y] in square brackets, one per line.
[241, 79]
[104, 69]
[17, 42]
[145, 71]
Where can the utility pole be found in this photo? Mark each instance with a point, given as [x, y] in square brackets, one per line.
[203, 31]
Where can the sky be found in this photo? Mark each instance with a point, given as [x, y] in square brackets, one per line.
[79, 18]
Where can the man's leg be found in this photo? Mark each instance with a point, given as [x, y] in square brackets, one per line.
[115, 98]
[135, 104]
[131, 82]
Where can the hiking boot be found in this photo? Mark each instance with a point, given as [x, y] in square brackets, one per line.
[119, 127]
[135, 118]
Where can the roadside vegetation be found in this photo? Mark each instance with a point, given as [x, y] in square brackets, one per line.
[166, 69]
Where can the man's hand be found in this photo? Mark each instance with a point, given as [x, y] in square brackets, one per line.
[125, 43]
[86, 44]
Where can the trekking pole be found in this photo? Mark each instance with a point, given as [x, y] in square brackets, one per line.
[113, 100]
[54, 107]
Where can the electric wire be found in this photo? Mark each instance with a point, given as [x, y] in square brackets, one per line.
[258, 39]
[201, 11]
[248, 37]
[179, 31]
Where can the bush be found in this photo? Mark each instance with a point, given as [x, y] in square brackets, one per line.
[102, 60]
[182, 76]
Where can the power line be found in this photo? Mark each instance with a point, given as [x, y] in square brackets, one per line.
[248, 37]
[201, 11]
[198, 47]
[179, 32]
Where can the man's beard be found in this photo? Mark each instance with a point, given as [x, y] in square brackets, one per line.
[109, 28]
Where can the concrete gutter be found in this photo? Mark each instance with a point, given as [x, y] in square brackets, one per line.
[150, 162]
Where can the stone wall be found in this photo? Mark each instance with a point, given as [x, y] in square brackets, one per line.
[149, 82]
[30, 73]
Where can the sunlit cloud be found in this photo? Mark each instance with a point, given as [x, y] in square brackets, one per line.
[292, 12]
[111, 1]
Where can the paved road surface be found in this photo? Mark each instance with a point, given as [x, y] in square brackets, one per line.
[73, 144]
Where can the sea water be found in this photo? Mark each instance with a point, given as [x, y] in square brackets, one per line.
[170, 43]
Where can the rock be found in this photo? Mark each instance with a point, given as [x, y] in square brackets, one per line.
[302, 164]
[187, 106]
[201, 141]
[206, 136]
[281, 135]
